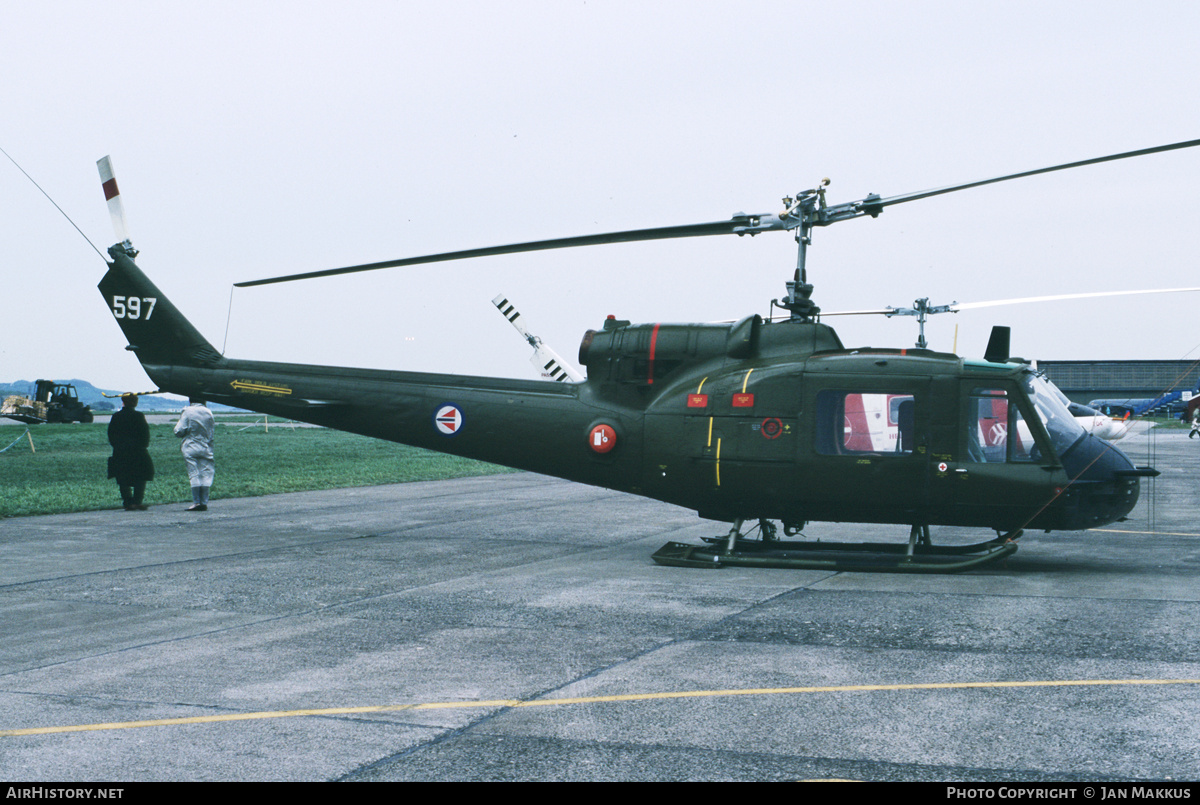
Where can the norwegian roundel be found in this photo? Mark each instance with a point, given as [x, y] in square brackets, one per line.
[448, 419]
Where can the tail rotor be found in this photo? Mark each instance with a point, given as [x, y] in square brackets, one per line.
[115, 208]
[548, 363]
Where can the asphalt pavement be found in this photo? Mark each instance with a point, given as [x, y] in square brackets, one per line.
[513, 627]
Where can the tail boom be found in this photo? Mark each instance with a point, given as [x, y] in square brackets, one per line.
[527, 424]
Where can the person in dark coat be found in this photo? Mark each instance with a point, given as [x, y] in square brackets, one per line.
[130, 464]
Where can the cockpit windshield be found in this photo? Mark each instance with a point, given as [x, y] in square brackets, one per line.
[1064, 430]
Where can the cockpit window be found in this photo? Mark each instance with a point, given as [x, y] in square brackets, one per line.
[1063, 428]
[996, 431]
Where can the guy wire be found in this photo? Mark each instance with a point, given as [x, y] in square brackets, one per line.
[55, 203]
[228, 317]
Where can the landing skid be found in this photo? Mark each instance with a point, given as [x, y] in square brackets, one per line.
[918, 556]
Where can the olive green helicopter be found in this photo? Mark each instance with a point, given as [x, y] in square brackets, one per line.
[768, 419]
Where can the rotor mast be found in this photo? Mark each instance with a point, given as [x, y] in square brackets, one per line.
[921, 309]
[807, 210]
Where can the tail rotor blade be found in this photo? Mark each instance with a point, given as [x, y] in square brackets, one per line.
[545, 360]
[113, 196]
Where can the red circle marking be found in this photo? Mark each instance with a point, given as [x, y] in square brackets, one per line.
[602, 438]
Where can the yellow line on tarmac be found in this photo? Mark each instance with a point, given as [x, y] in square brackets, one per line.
[626, 697]
[1146, 533]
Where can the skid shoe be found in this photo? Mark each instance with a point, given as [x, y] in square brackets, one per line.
[919, 555]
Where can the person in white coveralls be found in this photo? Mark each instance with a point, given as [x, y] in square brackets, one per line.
[196, 428]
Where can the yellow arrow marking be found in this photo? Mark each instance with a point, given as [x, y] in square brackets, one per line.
[254, 387]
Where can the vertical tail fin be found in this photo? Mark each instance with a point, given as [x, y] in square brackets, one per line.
[157, 332]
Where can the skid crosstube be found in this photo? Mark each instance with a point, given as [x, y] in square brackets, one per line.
[871, 557]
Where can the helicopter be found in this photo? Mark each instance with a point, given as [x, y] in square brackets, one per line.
[749, 423]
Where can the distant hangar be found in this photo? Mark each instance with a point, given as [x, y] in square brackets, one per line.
[1089, 380]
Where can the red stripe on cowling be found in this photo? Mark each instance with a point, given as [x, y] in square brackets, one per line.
[653, 344]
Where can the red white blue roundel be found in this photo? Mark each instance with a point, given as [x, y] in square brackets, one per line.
[448, 419]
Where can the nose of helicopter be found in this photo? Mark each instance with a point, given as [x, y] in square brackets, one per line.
[1104, 485]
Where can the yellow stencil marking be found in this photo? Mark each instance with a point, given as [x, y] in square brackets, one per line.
[718, 461]
[255, 387]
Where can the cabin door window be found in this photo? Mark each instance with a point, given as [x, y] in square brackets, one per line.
[996, 431]
[858, 423]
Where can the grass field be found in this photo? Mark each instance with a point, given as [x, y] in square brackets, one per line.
[66, 470]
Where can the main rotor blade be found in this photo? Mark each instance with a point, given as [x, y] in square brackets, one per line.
[878, 312]
[801, 215]
[1096, 160]
[1093, 295]
[739, 224]
[956, 306]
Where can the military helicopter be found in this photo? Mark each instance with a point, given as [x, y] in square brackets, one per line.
[750, 422]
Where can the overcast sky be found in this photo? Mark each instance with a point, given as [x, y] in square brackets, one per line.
[254, 139]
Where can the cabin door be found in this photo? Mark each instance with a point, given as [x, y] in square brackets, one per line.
[868, 460]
